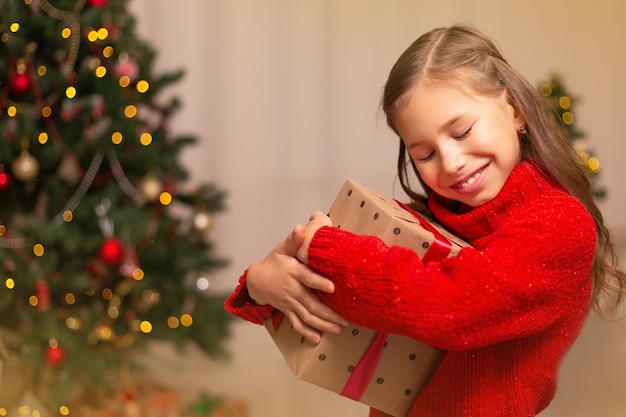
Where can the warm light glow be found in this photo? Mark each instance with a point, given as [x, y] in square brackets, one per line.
[3, 230]
[10, 283]
[14, 27]
[130, 111]
[42, 138]
[105, 333]
[107, 294]
[41, 70]
[72, 323]
[138, 274]
[101, 71]
[545, 89]
[107, 51]
[565, 102]
[64, 410]
[594, 164]
[142, 86]
[103, 33]
[145, 326]
[94, 63]
[33, 301]
[92, 36]
[116, 138]
[70, 298]
[66, 33]
[568, 118]
[11, 111]
[46, 111]
[38, 249]
[145, 138]
[165, 198]
[124, 81]
[113, 312]
[68, 216]
[186, 320]
[70, 92]
[173, 322]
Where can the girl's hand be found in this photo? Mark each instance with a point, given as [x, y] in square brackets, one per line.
[316, 220]
[285, 283]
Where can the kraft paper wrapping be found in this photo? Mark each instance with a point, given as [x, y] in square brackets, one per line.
[399, 367]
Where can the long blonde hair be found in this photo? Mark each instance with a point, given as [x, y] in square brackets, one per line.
[462, 55]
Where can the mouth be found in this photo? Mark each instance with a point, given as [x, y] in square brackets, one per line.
[466, 184]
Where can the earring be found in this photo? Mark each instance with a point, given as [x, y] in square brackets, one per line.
[522, 130]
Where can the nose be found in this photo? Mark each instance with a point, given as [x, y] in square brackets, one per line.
[453, 158]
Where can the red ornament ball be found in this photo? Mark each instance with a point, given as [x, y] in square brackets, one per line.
[98, 3]
[20, 84]
[5, 181]
[55, 355]
[111, 251]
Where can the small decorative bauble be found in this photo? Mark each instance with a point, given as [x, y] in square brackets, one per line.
[202, 221]
[5, 179]
[150, 187]
[20, 84]
[69, 169]
[54, 354]
[25, 167]
[111, 251]
[98, 3]
[126, 66]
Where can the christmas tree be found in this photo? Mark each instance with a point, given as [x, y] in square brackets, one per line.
[563, 104]
[101, 247]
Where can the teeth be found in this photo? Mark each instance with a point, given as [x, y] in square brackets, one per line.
[470, 180]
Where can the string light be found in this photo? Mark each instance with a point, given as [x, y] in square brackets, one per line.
[186, 320]
[116, 138]
[165, 198]
[145, 138]
[38, 249]
[142, 86]
[145, 326]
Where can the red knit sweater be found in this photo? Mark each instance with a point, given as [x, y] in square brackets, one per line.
[506, 311]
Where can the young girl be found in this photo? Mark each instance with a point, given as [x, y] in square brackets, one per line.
[497, 171]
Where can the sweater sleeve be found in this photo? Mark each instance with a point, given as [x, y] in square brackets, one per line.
[526, 278]
[240, 304]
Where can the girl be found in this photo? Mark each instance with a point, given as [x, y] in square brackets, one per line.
[497, 170]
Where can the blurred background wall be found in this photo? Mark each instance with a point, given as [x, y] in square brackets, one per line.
[284, 94]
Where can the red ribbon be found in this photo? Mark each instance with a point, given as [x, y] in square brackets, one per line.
[440, 248]
[364, 370]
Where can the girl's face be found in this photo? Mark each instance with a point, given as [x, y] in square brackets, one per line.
[463, 144]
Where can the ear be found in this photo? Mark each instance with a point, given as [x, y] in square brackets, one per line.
[514, 110]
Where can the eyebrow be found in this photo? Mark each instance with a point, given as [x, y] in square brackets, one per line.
[454, 119]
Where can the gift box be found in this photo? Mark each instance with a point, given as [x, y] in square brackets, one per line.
[384, 371]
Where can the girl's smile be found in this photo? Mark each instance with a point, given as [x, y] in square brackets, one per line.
[463, 144]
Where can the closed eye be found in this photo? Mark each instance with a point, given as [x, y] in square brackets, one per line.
[464, 134]
[426, 158]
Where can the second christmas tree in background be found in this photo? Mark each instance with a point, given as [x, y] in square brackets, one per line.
[101, 246]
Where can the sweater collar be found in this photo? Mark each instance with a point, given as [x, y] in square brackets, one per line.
[524, 183]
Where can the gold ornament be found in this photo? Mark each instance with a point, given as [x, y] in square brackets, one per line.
[150, 187]
[202, 221]
[25, 167]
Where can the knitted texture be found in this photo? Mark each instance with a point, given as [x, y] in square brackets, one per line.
[506, 311]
